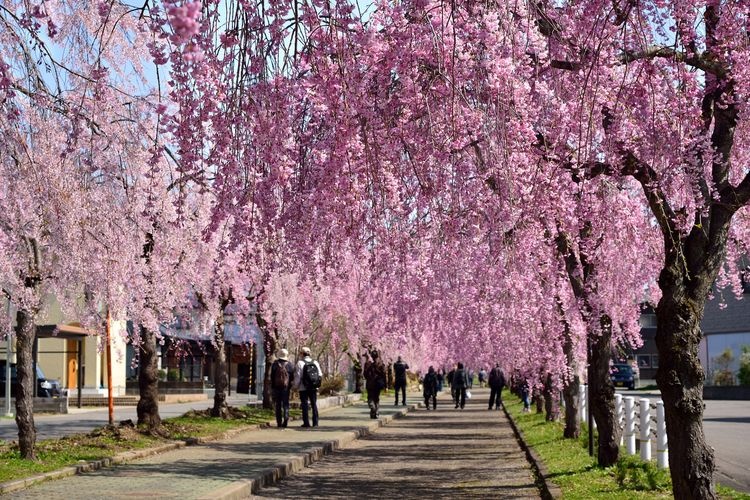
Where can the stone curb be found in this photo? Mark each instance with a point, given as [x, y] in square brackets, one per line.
[247, 487]
[128, 456]
[548, 489]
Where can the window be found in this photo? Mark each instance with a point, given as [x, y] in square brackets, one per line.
[644, 361]
[647, 320]
[654, 361]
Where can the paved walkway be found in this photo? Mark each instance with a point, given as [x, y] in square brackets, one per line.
[446, 453]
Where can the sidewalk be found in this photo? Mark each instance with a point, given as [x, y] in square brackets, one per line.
[230, 468]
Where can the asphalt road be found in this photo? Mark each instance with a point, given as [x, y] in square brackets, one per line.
[727, 428]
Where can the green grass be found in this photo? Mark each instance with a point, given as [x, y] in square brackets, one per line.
[577, 474]
[102, 443]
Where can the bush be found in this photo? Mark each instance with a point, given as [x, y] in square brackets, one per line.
[723, 375]
[331, 384]
[633, 474]
[162, 375]
[173, 374]
[743, 375]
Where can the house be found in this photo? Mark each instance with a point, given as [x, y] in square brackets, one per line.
[725, 325]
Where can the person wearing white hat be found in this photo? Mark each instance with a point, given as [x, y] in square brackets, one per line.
[307, 378]
[282, 376]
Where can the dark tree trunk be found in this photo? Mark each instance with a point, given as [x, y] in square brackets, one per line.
[357, 366]
[551, 401]
[602, 395]
[680, 378]
[221, 378]
[570, 389]
[570, 396]
[269, 349]
[539, 400]
[148, 382]
[25, 337]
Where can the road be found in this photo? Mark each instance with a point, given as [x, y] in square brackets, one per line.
[727, 428]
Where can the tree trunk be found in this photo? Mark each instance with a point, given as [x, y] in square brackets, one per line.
[570, 396]
[148, 382]
[680, 378]
[571, 388]
[551, 401]
[221, 378]
[25, 337]
[357, 366]
[602, 395]
[269, 349]
[539, 400]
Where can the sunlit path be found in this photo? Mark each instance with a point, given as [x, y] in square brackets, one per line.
[447, 453]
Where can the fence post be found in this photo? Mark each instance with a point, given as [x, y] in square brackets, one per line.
[583, 396]
[662, 448]
[645, 413]
[629, 425]
[619, 416]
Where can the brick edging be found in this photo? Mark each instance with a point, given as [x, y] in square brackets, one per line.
[128, 456]
[547, 487]
[246, 487]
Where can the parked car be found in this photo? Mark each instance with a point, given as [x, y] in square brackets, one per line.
[45, 388]
[622, 375]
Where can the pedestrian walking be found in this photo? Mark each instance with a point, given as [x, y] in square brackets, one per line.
[399, 375]
[375, 378]
[496, 382]
[440, 379]
[482, 377]
[460, 383]
[430, 384]
[282, 378]
[307, 378]
[449, 378]
[470, 375]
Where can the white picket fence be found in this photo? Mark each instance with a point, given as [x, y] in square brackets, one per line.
[637, 422]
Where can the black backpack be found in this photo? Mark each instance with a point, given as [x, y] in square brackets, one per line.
[311, 375]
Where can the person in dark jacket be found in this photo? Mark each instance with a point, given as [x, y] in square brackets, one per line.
[496, 382]
[459, 385]
[281, 385]
[440, 379]
[449, 379]
[375, 379]
[399, 376]
[430, 388]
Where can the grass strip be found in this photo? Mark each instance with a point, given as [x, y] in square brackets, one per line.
[106, 442]
[577, 474]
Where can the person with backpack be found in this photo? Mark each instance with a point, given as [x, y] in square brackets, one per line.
[430, 390]
[496, 382]
[307, 379]
[282, 376]
[399, 375]
[459, 385]
[375, 379]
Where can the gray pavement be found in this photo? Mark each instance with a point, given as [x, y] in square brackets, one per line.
[467, 451]
[446, 453]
